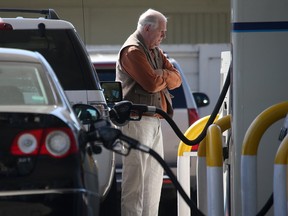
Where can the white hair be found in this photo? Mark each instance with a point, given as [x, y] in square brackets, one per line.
[150, 17]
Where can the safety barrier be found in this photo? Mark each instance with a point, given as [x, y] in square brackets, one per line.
[279, 183]
[214, 152]
[192, 133]
[201, 177]
[249, 155]
[183, 161]
[224, 123]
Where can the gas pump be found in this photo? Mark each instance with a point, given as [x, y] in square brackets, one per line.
[259, 79]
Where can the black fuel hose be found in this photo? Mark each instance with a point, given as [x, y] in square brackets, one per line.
[266, 207]
[177, 185]
[209, 122]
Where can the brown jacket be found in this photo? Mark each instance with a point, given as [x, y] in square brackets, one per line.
[146, 75]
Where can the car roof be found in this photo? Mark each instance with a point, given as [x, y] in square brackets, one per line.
[104, 61]
[103, 58]
[19, 23]
[47, 13]
[6, 54]
[49, 17]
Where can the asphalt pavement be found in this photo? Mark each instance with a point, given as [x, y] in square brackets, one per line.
[168, 204]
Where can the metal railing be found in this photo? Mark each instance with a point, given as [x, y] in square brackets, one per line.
[212, 147]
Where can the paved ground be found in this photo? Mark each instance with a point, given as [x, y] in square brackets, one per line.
[168, 204]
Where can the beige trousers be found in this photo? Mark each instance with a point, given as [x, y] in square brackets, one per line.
[142, 175]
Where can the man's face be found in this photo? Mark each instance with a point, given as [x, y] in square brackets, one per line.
[156, 36]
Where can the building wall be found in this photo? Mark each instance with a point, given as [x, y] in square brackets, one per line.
[111, 21]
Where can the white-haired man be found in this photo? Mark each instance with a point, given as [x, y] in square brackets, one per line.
[146, 75]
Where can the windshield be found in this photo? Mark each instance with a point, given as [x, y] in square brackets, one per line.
[24, 84]
[62, 50]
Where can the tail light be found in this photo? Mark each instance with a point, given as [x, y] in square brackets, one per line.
[193, 117]
[27, 143]
[55, 142]
[5, 26]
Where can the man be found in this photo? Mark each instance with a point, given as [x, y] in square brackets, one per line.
[146, 75]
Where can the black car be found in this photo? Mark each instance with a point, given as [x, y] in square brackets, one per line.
[58, 41]
[46, 163]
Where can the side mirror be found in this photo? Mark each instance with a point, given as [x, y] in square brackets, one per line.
[201, 99]
[112, 91]
[86, 113]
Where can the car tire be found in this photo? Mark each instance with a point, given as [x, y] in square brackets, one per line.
[111, 204]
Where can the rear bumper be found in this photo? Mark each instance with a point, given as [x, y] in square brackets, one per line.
[74, 202]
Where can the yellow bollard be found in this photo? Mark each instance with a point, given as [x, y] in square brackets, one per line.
[224, 123]
[192, 133]
[249, 154]
[214, 152]
[280, 179]
[183, 161]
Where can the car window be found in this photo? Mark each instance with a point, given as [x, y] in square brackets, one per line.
[178, 99]
[23, 84]
[106, 74]
[61, 49]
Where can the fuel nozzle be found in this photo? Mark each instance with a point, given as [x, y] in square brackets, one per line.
[126, 111]
[120, 113]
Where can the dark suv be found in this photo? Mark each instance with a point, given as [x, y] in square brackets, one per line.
[58, 41]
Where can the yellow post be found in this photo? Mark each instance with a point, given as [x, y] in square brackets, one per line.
[249, 154]
[224, 124]
[192, 133]
[214, 151]
[260, 124]
[280, 179]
